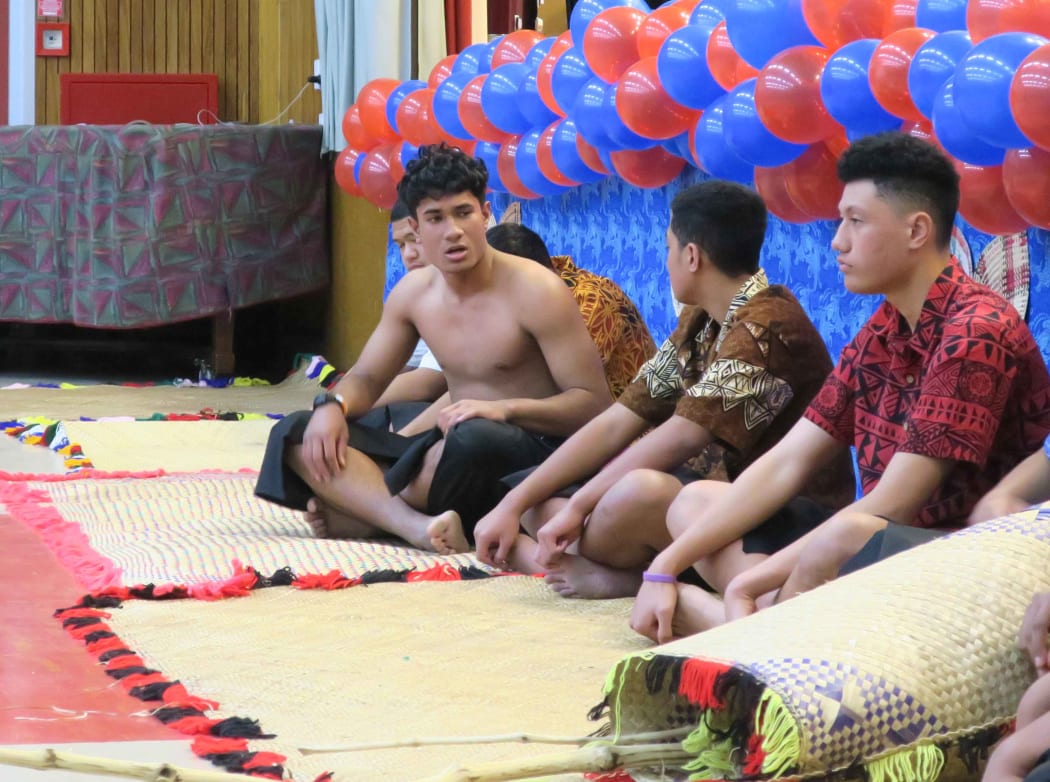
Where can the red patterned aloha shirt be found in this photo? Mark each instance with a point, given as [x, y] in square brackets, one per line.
[969, 385]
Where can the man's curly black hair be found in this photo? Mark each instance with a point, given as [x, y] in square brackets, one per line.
[910, 170]
[441, 170]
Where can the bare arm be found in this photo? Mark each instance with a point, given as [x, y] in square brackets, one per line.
[415, 385]
[428, 419]
[1025, 485]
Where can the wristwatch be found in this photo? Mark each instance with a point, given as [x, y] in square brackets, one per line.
[327, 398]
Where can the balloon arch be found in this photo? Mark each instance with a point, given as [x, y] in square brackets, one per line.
[765, 92]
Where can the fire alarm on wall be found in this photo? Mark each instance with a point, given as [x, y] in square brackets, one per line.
[52, 39]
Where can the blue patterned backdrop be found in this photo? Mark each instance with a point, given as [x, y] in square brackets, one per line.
[616, 229]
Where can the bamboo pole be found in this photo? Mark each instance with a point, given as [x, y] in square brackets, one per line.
[510, 738]
[592, 758]
[50, 760]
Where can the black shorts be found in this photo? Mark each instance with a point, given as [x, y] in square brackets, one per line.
[1041, 772]
[800, 516]
[887, 542]
[477, 453]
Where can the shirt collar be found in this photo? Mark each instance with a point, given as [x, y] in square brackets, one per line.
[889, 323]
[563, 264]
[754, 284]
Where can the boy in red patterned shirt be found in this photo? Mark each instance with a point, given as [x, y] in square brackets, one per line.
[942, 392]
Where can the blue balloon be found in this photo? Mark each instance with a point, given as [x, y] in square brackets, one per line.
[933, 64]
[499, 98]
[531, 104]
[847, 94]
[606, 157]
[748, 137]
[585, 10]
[488, 153]
[539, 50]
[470, 60]
[357, 169]
[408, 153]
[569, 75]
[956, 136]
[982, 87]
[622, 136]
[446, 104]
[713, 155]
[588, 113]
[490, 49]
[567, 156]
[682, 67]
[679, 146]
[941, 15]
[759, 29]
[398, 95]
[528, 168]
[708, 14]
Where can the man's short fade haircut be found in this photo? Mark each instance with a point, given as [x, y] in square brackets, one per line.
[399, 212]
[518, 240]
[725, 220]
[439, 171]
[909, 170]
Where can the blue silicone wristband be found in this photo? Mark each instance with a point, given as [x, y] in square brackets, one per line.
[658, 578]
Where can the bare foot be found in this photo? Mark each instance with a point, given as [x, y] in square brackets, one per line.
[329, 522]
[446, 534]
[577, 576]
[696, 611]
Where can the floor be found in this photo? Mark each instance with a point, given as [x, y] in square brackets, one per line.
[54, 695]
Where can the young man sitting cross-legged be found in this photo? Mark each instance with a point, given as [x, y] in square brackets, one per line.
[738, 371]
[522, 374]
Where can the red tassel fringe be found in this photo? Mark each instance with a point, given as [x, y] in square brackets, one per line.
[698, 683]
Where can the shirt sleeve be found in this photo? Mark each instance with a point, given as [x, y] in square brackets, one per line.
[737, 396]
[653, 392]
[429, 361]
[832, 409]
[965, 387]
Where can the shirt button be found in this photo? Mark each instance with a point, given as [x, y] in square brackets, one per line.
[905, 426]
[909, 379]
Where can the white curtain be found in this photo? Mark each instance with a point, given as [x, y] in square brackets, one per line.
[358, 40]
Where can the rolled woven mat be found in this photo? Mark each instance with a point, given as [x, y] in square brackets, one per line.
[906, 671]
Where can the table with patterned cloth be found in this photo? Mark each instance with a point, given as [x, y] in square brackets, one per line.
[143, 225]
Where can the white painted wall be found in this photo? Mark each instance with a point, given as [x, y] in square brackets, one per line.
[21, 61]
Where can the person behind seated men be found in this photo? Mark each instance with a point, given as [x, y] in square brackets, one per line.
[942, 392]
[522, 375]
[733, 377]
[613, 321]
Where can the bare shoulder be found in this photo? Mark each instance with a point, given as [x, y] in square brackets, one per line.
[529, 283]
[411, 288]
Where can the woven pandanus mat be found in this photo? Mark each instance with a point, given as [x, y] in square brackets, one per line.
[390, 662]
[906, 671]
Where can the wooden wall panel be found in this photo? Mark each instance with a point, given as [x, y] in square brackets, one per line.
[223, 37]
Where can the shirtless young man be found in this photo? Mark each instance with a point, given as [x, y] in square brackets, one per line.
[522, 374]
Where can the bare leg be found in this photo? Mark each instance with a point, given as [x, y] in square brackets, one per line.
[622, 536]
[330, 522]
[359, 493]
[536, 517]
[831, 547]
[696, 611]
[723, 566]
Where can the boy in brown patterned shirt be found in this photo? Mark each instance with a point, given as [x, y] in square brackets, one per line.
[738, 371]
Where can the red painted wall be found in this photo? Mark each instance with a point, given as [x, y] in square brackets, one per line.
[4, 33]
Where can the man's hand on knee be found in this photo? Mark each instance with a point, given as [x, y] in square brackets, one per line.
[494, 536]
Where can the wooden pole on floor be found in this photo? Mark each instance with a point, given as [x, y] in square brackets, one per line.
[50, 760]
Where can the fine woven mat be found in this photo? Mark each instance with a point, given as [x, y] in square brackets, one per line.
[174, 446]
[909, 667]
[187, 528]
[387, 662]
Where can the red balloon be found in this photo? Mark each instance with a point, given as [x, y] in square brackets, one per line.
[727, 67]
[473, 116]
[354, 130]
[787, 95]
[983, 201]
[646, 108]
[1030, 96]
[923, 129]
[508, 171]
[648, 167]
[546, 70]
[415, 119]
[513, 47]
[397, 171]
[545, 158]
[812, 183]
[377, 181]
[441, 71]
[659, 24]
[345, 162]
[771, 186]
[900, 14]
[589, 155]
[1026, 179]
[888, 71]
[372, 103]
[610, 44]
[837, 22]
[1027, 16]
